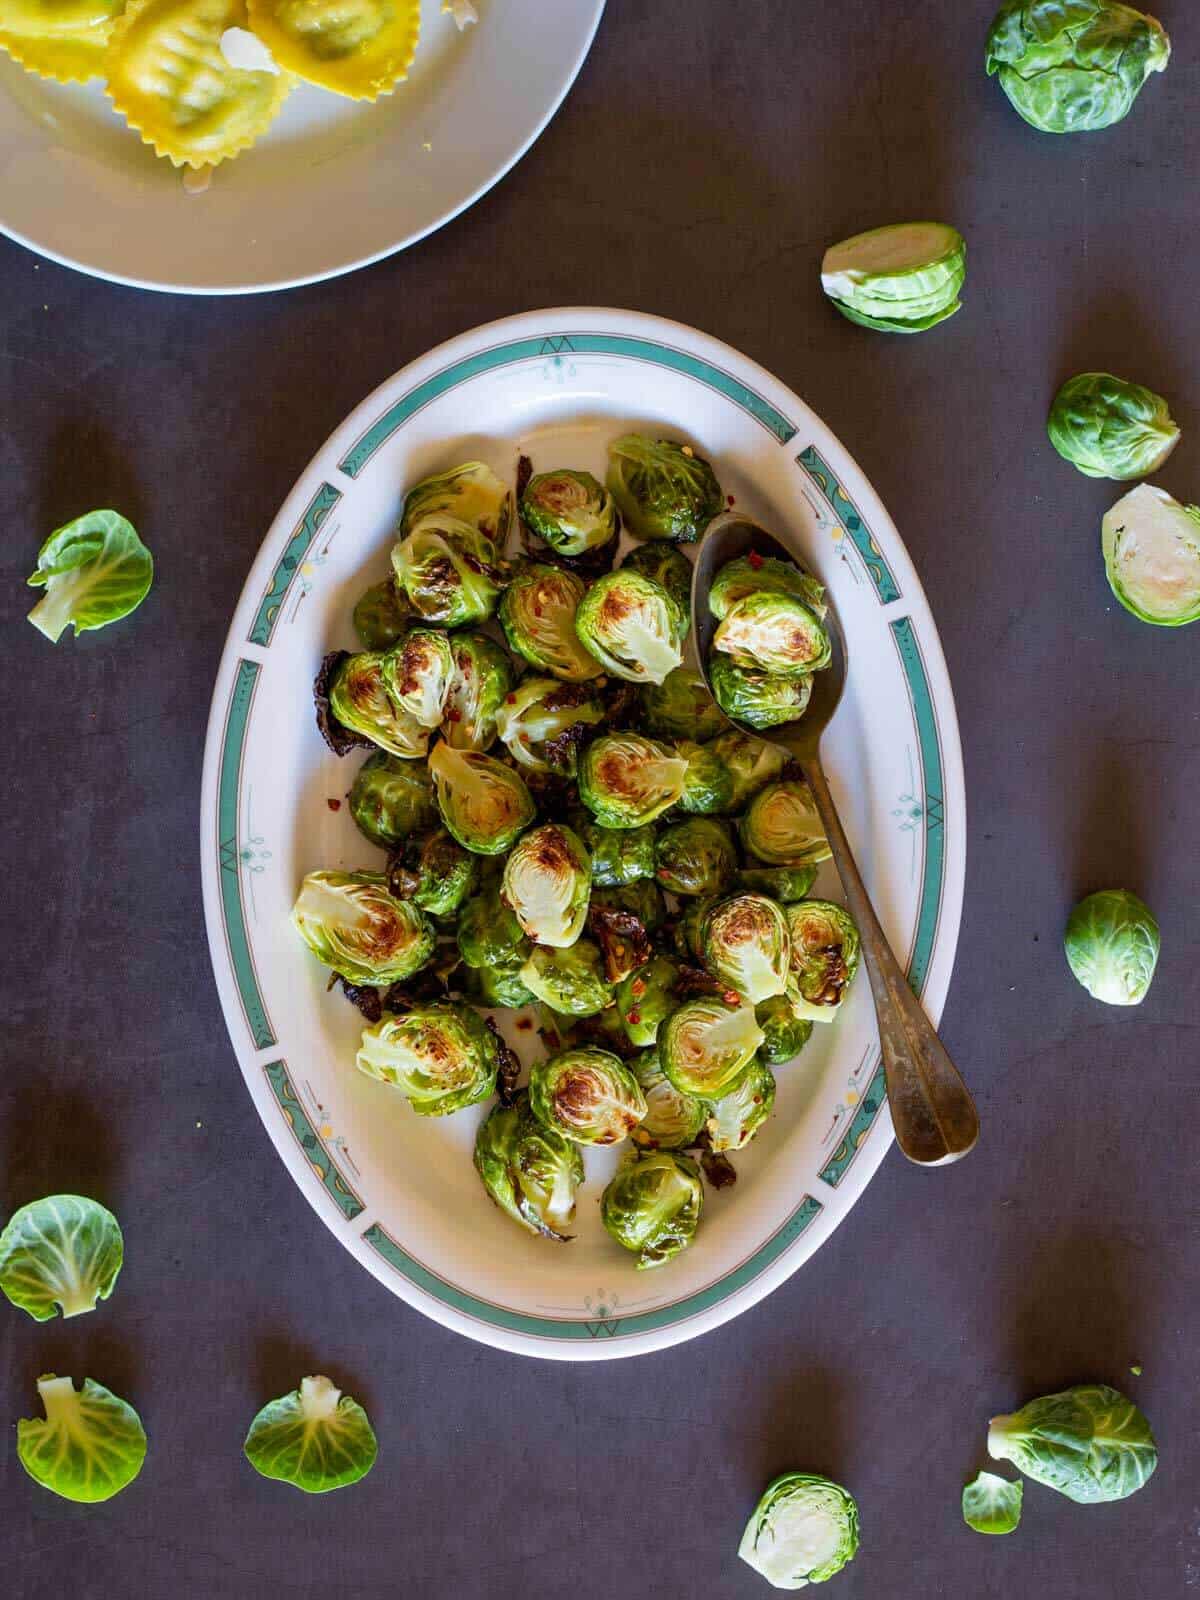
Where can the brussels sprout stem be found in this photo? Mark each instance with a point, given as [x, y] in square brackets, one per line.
[318, 1399]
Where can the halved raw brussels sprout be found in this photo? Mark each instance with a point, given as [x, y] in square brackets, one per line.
[382, 616]
[351, 923]
[667, 566]
[547, 882]
[570, 510]
[804, 1530]
[755, 574]
[588, 1095]
[434, 872]
[619, 855]
[824, 957]
[538, 614]
[645, 997]
[626, 780]
[900, 279]
[705, 1046]
[446, 570]
[572, 981]
[785, 884]
[653, 1206]
[442, 1057]
[759, 699]
[1112, 945]
[696, 857]
[1152, 556]
[530, 1170]
[390, 799]
[90, 1445]
[665, 490]
[62, 1252]
[782, 826]
[738, 1115]
[472, 493]
[680, 707]
[785, 1030]
[632, 626]
[673, 1121]
[315, 1438]
[746, 945]
[417, 674]
[1109, 428]
[543, 722]
[481, 678]
[773, 633]
[359, 699]
[708, 782]
[485, 804]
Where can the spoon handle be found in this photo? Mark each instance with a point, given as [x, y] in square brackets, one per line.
[932, 1110]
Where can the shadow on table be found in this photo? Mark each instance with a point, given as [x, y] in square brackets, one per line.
[801, 1417]
[1118, 333]
[1108, 823]
[281, 1361]
[84, 468]
[57, 1140]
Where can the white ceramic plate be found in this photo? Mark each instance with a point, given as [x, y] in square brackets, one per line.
[398, 1190]
[331, 186]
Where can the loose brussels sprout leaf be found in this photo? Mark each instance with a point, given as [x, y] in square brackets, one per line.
[1090, 1443]
[991, 1504]
[825, 951]
[1109, 428]
[755, 574]
[359, 699]
[481, 678]
[785, 884]
[547, 882]
[1112, 945]
[646, 997]
[653, 1206]
[435, 873]
[803, 1530]
[738, 1116]
[746, 945]
[1152, 556]
[626, 780]
[571, 511]
[673, 1120]
[708, 782]
[773, 633]
[696, 857]
[442, 1057]
[417, 674]
[588, 1095]
[538, 613]
[632, 626]
[619, 855]
[572, 981]
[381, 616]
[680, 707]
[485, 804]
[751, 762]
[706, 1046]
[668, 567]
[759, 699]
[94, 570]
[316, 1438]
[530, 1170]
[391, 799]
[489, 935]
[447, 571]
[543, 721]
[351, 923]
[782, 827]
[900, 279]
[1071, 66]
[90, 1446]
[642, 900]
[785, 1031]
[64, 1251]
[665, 490]
[472, 493]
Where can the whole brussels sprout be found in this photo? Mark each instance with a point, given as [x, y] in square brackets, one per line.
[696, 857]
[804, 1530]
[642, 900]
[782, 826]
[1152, 556]
[668, 567]
[665, 490]
[673, 1120]
[632, 626]
[900, 279]
[391, 799]
[755, 574]
[434, 872]
[752, 764]
[351, 923]
[543, 721]
[785, 1031]
[531, 1171]
[626, 780]
[653, 1206]
[1071, 66]
[759, 699]
[442, 1057]
[1090, 1443]
[571, 981]
[547, 882]
[706, 1046]
[481, 678]
[571, 511]
[417, 674]
[1112, 944]
[773, 633]
[619, 855]
[824, 957]
[738, 1115]
[485, 804]
[1109, 428]
[472, 493]
[538, 614]
[489, 935]
[746, 945]
[708, 782]
[447, 571]
[785, 884]
[680, 707]
[645, 997]
[359, 699]
[381, 616]
[588, 1095]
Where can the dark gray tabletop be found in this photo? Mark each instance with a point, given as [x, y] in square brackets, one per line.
[707, 155]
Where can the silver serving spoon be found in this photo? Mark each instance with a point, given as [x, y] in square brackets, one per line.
[932, 1109]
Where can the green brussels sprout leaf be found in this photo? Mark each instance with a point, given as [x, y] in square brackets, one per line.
[434, 872]
[316, 1438]
[64, 1251]
[1090, 1443]
[90, 1446]
[669, 567]
[447, 571]
[991, 1504]
[94, 570]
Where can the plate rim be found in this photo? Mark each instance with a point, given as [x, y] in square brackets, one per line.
[600, 1341]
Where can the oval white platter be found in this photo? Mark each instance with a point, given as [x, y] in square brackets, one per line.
[332, 185]
[399, 1191]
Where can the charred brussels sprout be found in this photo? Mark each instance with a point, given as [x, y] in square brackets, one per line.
[588, 1095]
[489, 935]
[642, 900]
[752, 763]
[547, 882]
[673, 1120]
[485, 804]
[645, 997]
[481, 678]
[1112, 945]
[530, 1170]
[705, 1046]
[782, 827]
[632, 626]
[359, 699]
[391, 799]
[1152, 556]
[619, 855]
[1109, 428]
[472, 493]
[680, 707]
[441, 1057]
[755, 574]
[696, 857]
[543, 722]
[447, 571]
[417, 674]
[665, 490]
[708, 782]
[759, 699]
[435, 873]
[746, 945]
[773, 633]
[571, 511]
[538, 614]
[653, 1206]
[626, 780]
[571, 981]
[785, 1031]
[351, 923]
[665, 564]
[803, 1530]
[738, 1116]
[381, 616]
[785, 884]
[824, 957]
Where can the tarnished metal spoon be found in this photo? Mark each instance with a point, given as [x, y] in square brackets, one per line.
[932, 1109]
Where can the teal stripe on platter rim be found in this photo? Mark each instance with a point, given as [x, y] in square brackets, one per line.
[335, 1183]
[230, 856]
[852, 522]
[296, 552]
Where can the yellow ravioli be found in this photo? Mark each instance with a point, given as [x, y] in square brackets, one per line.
[66, 58]
[169, 80]
[357, 48]
[54, 19]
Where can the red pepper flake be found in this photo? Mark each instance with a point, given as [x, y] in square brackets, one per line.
[633, 1016]
[755, 559]
[334, 805]
[637, 988]
[731, 500]
[537, 611]
[454, 714]
[510, 699]
[524, 1023]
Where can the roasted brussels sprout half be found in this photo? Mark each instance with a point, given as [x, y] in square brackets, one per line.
[1152, 556]
[632, 626]
[472, 493]
[653, 1206]
[737, 1116]
[489, 935]
[665, 490]
[696, 857]
[745, 939]
[381, 617]
[642, 900]
[391, 799]
[673, 1121]
[680, 707]
[588, 1095]
[417, 674]
[1109, 428]
[481, 678]
[434, 872]
[571, 511]
[773, 633]
[785, 1031]
[538, 614]
[547, 882]
[498, 987]
[530, 1170]
[900, 279]
[705, 1046]
[571, 981]
[619, 855]
[708, 782]
[804, 1530]
[447, 571]
[667, 567]
[645, 997]
[351, 923]
[359, 699]
[785, 884]
[1112, 945]
[442, 1057]
[752, 763]
[759, 699]
[824, 957]
[626, 780]
[782, 827]
[543, 722]
[485, 804]
[755, 574]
